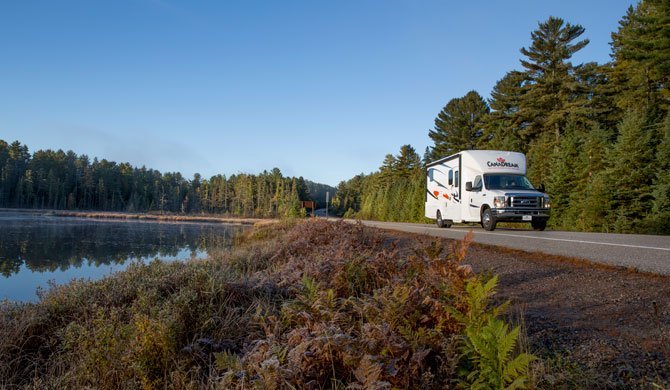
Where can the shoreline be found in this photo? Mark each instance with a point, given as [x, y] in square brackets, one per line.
[119, 215]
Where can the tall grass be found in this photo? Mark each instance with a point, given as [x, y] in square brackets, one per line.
[309, 305]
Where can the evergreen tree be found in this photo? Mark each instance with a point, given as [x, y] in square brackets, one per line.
[564, 177]
[395, 193]
[596, 97]
[347, 199]
[641, 49]
[426, 159]
[503, 125]
[597, 214]
[388, 169]
[4, 157]
[407, 161]
[539, 158]
[590, 197]
[630, 172]
[458, 125]
[551, 83]
[661, 192]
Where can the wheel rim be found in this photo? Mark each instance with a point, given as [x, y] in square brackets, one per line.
[487, 218]
[439, 218]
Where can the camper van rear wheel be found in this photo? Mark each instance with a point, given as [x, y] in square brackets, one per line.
[440, 221]
[488, 220]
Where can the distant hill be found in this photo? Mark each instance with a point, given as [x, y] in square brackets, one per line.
[317, 193]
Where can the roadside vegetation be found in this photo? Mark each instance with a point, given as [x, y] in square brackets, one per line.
[313, 304]
[597, 135]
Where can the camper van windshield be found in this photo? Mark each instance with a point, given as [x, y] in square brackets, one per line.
[507, 182]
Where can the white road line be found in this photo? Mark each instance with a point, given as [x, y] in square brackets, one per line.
[581, 241]
[555, 239]
[427, 228]
[431, 228]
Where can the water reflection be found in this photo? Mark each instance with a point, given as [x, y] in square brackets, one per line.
[47, 245]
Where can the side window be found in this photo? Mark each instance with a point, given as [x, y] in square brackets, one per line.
[451, 177]
[456, 179]
[430, 174]
[477, 184]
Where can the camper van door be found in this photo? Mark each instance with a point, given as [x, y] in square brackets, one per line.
[476, 197]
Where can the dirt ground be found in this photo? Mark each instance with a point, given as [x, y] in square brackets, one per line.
[613, 323]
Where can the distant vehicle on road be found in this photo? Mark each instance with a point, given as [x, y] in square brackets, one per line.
[485, 186]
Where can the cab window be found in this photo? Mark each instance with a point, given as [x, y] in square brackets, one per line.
[477, 184]
[456, 179]
[451, 177]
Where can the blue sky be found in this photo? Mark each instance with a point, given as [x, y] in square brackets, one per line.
[319, 89]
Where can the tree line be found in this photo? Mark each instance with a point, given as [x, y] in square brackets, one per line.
[597, 135]
[49, 179]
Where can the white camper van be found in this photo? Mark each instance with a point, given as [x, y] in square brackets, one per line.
[485, 186]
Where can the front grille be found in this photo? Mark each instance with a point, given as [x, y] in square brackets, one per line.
[526, 202]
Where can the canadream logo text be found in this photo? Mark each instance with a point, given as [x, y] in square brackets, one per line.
[501, 163]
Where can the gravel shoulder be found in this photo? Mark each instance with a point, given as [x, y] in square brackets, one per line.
[614, 322]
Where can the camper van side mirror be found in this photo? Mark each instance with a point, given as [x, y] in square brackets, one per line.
[468, 186]
[541, 187]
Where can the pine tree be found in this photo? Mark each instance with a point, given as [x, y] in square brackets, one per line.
[641, 49]
[630, 172]
[552, 83]
[426, 159]
[597, 207]
[590, 197]
[596, 97]
[503, 125]
[661, 192]
[458, 125]
[4, 184]
[387, 170]
[540, 156]
[407, 161]
[563, 178]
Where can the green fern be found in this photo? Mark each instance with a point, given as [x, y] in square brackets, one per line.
[226, 361]
[478, 302]
[310, 290]
[490, 350]
[489, 345]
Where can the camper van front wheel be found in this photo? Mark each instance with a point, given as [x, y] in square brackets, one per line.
[488, 220]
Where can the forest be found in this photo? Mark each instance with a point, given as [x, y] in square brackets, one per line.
[50, 179]
[597, 135]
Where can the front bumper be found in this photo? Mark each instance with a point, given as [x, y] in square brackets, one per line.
[520, 215]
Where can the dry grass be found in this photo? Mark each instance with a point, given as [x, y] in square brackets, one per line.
[314, 304]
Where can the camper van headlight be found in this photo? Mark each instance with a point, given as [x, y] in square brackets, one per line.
[546, 202]
[499, 202]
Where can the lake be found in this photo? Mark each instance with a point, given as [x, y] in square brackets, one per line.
[38, 249]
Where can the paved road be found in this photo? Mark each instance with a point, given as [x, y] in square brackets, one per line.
[643, 252]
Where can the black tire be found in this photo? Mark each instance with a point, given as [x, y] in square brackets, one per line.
[488, 220]
[539, 225]
[439, 221]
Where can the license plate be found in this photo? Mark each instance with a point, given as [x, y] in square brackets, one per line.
[526, 217]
